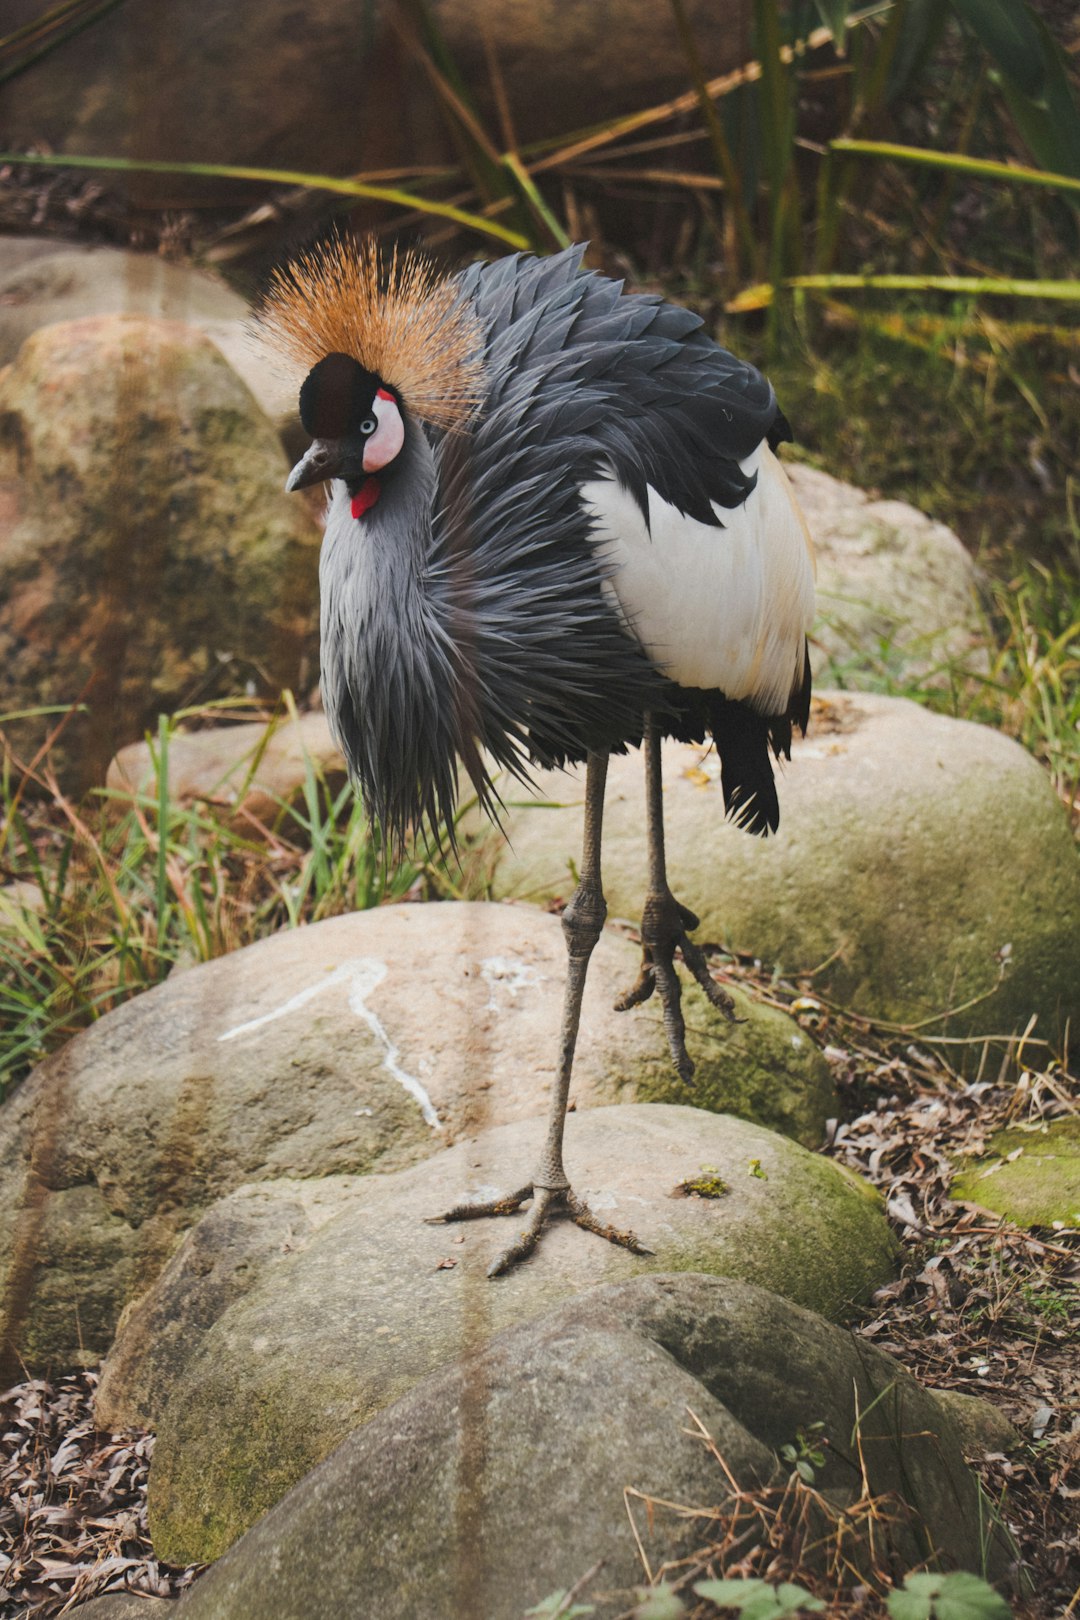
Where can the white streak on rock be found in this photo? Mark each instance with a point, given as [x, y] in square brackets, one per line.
[506, 973]
[362, 974]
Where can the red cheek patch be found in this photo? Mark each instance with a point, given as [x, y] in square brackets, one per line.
[382, 394]
[365, 497]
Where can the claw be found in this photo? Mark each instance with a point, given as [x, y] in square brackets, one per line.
[545, 1199]
[639, 991]
[664, 930]
[508, 1204]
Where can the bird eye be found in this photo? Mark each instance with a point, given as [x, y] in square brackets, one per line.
[368, 425]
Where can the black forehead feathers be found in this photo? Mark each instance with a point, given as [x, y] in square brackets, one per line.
[336, 396]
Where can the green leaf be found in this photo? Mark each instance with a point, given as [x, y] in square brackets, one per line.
[762, 1606]
[660, 1603]
[962, 1596]
[996, 286]
[554, 1607]
[1007, 30]
[792, 1597]
[958, 1596]
[909, 1605]
[731, 1594]
[919, 26]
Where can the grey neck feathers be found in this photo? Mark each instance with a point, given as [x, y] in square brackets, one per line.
[388, 673]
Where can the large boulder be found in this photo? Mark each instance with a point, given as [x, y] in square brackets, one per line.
[259, 82]
[364, 1043]
[591, 1424]
[43, 282]
[896, 591]
[378, 1297]
[924, 871]
[148, 550]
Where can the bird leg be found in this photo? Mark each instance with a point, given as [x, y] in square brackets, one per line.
[665, 927]
[550, 1187]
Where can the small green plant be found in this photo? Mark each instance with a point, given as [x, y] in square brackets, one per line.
[659, 1603]
[957, 1596]
[709, 1184]
[807, 1455]
[1046, 1303]
[559, 1606]
[753, 1599]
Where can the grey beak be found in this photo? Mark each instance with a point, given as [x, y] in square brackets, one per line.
[322, 461]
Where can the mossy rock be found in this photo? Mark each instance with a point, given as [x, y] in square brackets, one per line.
[376, 1299]
[1039, 1187]
[924, 871]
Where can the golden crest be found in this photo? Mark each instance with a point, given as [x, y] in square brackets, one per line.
[394, 313]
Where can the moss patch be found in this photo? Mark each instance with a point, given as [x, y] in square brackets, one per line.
[1039, 1186]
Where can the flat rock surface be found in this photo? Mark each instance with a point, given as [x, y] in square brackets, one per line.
[895, 589]
[65, 281]
[377, 1297]
[924, 870]
[433, 1507]
[1030, 1177]
[246, 766]
[125, 1606]
[365, 1042]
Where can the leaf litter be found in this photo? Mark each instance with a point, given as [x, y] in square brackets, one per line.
[72, 1504]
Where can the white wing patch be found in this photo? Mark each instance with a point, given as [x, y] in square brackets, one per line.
[725, 607]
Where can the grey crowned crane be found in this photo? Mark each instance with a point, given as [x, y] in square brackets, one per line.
[556, 527]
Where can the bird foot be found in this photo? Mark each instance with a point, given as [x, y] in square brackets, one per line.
[545, 1201]
[665, 927]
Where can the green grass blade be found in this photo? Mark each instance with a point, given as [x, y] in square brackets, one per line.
[37, 25]
[162, 873]
[833, 14]
[528, 186]
[278, 177]
[974, 168]
[998, 286]
[52, 19]
[760, 297]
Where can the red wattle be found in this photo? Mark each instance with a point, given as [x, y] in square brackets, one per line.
[366, 497]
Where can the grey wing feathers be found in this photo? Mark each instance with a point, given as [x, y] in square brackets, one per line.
[664, 405]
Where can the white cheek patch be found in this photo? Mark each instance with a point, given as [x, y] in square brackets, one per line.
[386, 442]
